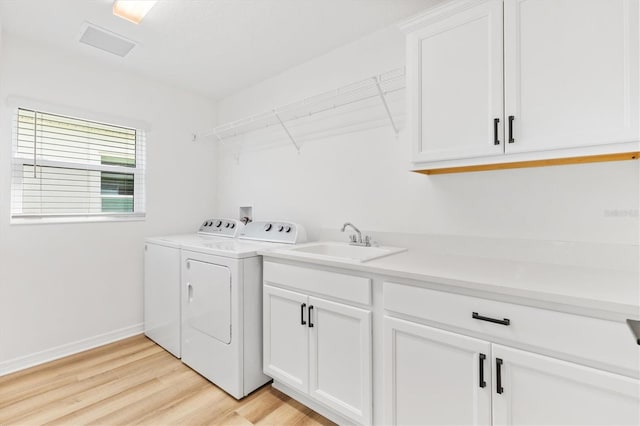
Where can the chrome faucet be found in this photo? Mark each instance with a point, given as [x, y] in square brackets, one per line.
[356, 240]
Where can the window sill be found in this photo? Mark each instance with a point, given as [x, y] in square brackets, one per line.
[44, 220]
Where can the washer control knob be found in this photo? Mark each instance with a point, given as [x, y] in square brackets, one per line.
[268, 227]
[218, 223]
[280, 228]
[232, 225]
[287, 229]
[227, 225]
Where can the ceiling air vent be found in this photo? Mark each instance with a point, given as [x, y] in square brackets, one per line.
[105, 40]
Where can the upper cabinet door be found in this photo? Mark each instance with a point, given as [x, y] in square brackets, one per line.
[571, 73]
[455, 69]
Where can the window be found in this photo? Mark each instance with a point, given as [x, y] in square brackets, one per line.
[69, 167]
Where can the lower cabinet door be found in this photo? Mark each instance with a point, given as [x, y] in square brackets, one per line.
[286, 337]
[535, 389]
[340, 358]
[435, 377]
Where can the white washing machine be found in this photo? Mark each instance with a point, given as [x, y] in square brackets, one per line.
[162, 271]
[222, 304]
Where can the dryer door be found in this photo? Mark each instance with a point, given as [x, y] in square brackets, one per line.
[208, 304]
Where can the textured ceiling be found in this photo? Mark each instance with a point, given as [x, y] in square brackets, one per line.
[213, 47]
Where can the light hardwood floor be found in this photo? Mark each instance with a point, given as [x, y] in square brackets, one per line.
[135, 381]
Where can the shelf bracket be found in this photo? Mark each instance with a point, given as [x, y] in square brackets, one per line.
[217, 136]
[286, 130]
[386, 106]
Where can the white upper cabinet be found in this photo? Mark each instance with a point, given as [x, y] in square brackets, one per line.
[455, 76]
[498, 81]
[571, 73]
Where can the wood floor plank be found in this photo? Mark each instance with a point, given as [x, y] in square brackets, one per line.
[135, 374]
[18, 392]
[113, 403]
[290, 412]
[93, 354]
[118, 362]
[62, 372]
[315, 419]
[134, 381]
[209, 414]
[179, 411]
[258, 408]
[234, 419]
[184, 383]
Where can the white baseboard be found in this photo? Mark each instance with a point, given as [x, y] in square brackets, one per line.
[57, 352]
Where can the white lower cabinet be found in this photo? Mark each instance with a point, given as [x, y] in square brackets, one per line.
[340, 358]
[320, 348]
[540, 390]
[286, 338]
[441, 357]
[434, 377]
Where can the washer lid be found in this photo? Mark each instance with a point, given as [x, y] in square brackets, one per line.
[178, 239]
[225, 247]
[168, 240]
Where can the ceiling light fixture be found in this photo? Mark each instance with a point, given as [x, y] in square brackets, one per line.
[132, 10]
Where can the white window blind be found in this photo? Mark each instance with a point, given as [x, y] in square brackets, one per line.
[64, 166]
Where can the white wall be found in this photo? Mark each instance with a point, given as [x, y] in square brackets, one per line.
[66, 284]
[363, 177]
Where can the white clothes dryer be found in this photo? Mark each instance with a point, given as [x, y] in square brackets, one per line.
[222, 304]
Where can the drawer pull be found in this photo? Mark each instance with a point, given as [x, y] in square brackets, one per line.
[302, 321]
[504, 321]
[499, 387]
[481, 358]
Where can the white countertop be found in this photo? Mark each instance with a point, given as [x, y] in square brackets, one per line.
[601, 289]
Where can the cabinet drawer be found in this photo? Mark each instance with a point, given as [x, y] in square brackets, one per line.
[608, 344]
[340, 286]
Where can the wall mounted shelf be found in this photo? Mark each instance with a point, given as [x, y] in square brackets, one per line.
[380, 86]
